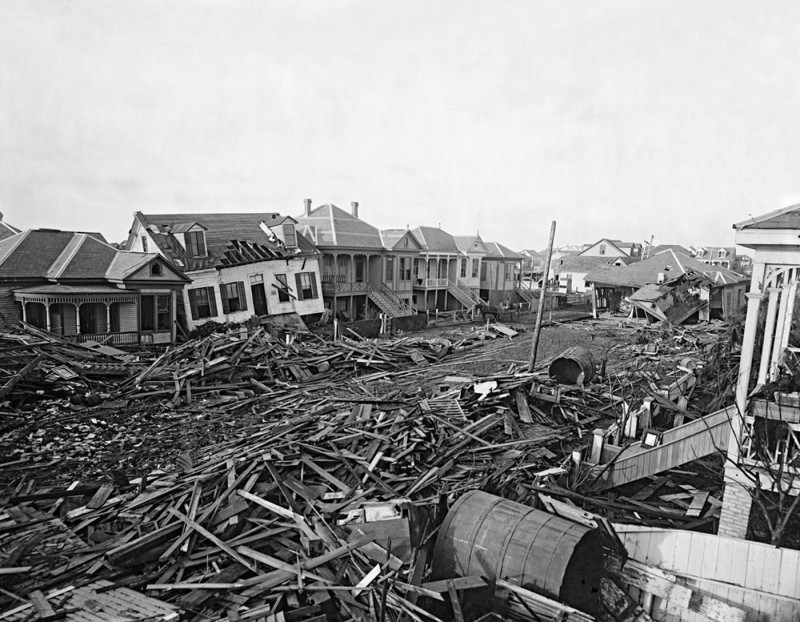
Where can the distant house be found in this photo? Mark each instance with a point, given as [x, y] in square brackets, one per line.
[500, 274]
[468, 280]
[364, 271]
[240, 265]
[613, 248]
[78, 286]
[6, 230]
[610, 285]
[571, 270]
[668, 247]
[533, 264]
[724, 256]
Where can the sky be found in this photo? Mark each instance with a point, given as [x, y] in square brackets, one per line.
[623, 119]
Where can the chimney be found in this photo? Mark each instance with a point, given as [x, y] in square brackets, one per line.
[354, 208]
[307, 207]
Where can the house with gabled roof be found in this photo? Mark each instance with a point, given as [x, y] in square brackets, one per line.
[438, 269]
[501, 271]
[78, 286]
[606, 247]
[612, 284]
[724, 256]
[571, 270]
[365, 271]
[467, 285]
[240, 265]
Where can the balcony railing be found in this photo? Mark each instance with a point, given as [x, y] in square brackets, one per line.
[339, 285]
[111, 339]
[430, 283]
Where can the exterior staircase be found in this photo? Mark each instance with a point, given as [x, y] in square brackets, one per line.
[387, 301]
[526, 294]
[464, 295]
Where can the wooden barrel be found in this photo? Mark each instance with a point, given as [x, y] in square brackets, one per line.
[574, 365]
[541, 552]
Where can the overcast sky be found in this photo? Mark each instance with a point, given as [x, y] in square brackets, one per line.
[619, 119]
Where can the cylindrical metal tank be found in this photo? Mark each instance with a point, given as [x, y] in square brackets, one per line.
[574, 365]
[541, 552]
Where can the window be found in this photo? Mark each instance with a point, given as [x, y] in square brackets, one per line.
[195, 243]
[306, 285]
[475, 267]
[155, 269]
[283, 288]
[156, 312]
[483, 272]
[144, 243]
[463, 267]
[202, 303]
[405, 242]
[602, 249]
[405, 268]
[389, 269]
[289, 236]
[721, 252]
[233, 298]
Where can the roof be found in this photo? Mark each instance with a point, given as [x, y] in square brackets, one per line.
[221, 231]
[470, 243]
[6, 230]
[531, 252]
[784, 218]
[498, 251]
[669, 263]
[390, 238]
[435, 240]
[56, 288]
[64, 256]
[711, 252]
[666, 247]
[338, 228]
[583, 263]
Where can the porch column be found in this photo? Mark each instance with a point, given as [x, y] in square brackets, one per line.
[784, 326]
[77, 318]
[24, 311]
[47, 317]
[769, 334]
[745, 365]
[108, 317]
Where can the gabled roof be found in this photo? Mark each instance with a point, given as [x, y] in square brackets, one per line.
[531, 252]
[498, 251]
[435, 240]
[666, 247]
[615, 243]
[712, 252]
[470, 244]
[63, 256]
[6, 230]
[784, 218]
[221, 230]
[391, 237]
[669, 263]
[336, 227]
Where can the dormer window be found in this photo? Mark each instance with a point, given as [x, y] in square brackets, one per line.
[721, 252]
[289, 236]
[195, 242]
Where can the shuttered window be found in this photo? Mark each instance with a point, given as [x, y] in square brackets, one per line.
[283, 288]
[202, 303]
[233, 298]
[306, 285]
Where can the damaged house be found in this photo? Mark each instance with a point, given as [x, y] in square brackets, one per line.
[613, 286]
[674, 301]
[240, 265]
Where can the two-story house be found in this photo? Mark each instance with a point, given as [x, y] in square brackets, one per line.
[438, 269]
[724, 256]
[240, 265]
[364, 271]
[613, 248]
[78, 286]
[500, 274]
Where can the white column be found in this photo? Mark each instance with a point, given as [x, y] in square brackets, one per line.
[108, 317]
[24, 311]
[77, 319]
[47, 316]
[769, 334]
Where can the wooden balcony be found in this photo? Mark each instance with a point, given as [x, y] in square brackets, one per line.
[111, 339]
[430, 283]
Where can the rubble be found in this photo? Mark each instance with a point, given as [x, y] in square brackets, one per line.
[321, 471]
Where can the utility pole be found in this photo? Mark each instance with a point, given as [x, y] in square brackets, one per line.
[538, 326]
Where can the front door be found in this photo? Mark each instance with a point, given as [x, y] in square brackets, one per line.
[259, 299]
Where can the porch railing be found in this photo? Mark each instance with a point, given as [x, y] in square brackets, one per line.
[111, 339]
[429, 283]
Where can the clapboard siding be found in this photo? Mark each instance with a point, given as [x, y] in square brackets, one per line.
[679, 445]
[761, 579]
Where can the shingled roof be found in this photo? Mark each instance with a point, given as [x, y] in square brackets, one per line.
[669, 263]
[784, 218]
[231, 239]
[498, 251]
[335, 227]
[435, 240]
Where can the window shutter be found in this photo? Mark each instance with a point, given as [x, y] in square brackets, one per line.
[314, 291]
[299, 286]
[193, 304]
[242, 297]
[212, 301]
[224, 294]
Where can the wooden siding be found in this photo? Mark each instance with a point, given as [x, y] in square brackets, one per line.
[761, 579]
[678, 446]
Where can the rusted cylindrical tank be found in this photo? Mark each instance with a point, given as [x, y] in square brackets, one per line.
[574, 365]
[541, 552]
